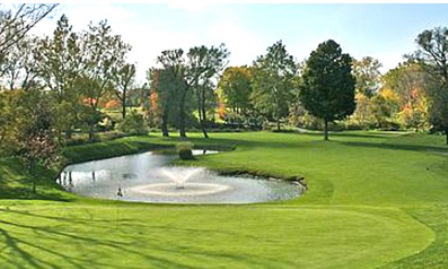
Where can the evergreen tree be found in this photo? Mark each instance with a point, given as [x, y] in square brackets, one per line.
[328, 86]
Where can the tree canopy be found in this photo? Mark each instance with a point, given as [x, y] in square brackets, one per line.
[328, 86]
[433, 56]
[273, 81]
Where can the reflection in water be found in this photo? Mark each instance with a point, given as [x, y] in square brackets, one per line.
[147, 177]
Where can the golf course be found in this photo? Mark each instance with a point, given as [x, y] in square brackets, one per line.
[223, 134]
[373, 200]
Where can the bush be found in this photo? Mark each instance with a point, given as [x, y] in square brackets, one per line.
[82, 138]
[390, 126]
[309, 122]
[185, 150]
[133, 124]
[266, 126]
[355, 126]
[334, 127]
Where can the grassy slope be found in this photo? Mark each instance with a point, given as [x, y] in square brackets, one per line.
[363, 190]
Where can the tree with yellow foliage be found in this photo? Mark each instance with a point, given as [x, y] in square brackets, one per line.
[407, 85]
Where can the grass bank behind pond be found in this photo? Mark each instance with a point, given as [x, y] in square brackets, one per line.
[369, 194]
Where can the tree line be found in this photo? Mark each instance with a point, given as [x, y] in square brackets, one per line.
[82, 81]
[328, 90]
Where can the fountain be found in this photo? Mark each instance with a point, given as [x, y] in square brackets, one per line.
[180, 178]
[179, 186]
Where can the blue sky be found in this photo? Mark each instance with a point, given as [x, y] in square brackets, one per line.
[384, 31]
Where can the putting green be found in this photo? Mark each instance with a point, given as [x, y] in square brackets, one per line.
[52, 235]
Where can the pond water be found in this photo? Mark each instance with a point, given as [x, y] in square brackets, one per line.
[148, 177]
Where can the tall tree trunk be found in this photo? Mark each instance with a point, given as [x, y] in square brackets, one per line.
[164, 127]
[325, 129]
[202, 122]
[204, 131]
[446, 133]
[33, 174]
[278, 125]
[68, 133]
[164, 123]
[182, 115]
[204, 126]
[92, 133]
[202, 112]
[59, 135]
[123, 100]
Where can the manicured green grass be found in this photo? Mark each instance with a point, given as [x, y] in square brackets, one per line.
[108, 236]
[15, 183]
[375, 199]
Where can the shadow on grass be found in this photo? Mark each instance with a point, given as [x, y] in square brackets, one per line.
[354, 134]
[43, 244]
[287, 142]
[16, 183]
[391, 146]
[233, 143]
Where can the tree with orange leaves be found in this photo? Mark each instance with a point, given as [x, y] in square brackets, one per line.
[408, 83]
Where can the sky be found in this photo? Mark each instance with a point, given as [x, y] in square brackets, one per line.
[383, 31]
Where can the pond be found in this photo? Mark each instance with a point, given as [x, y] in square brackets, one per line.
[148, 177]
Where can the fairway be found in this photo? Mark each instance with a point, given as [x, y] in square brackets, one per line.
[374, 199]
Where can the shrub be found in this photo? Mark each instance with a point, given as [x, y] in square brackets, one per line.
[390, 126]
[354, 126]
[266, 126]
[334, 126]
[185, 150]
[133, 124]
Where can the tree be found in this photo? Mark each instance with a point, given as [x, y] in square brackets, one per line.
[124, 77]
[195, 69]
[163, 86]
[438, 109]
[15, 23]
[409, 83]
[38, 146]
[105, 53]
[328, 86]
[433, 52]
[363, 112]
[91, 90]
[174, 63]
[20, 64]
[206, 101]
[433, 56]
[235, 88]
[203, 65]
[383, 106]
[273, 81]
[61, 60]
[12, 120]
[367, 74]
